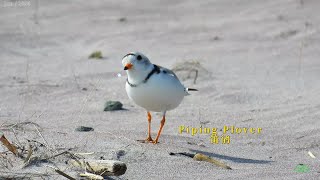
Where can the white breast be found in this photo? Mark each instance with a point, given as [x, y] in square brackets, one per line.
[162, 92]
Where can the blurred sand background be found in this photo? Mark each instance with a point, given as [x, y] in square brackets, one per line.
[264, 69]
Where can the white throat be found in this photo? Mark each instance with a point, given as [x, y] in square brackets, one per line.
[137, 76]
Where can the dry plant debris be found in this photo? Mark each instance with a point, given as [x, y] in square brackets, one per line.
[100, 167]
[23, 126]
[188, 67]
[33, 152]
[96, 55]
[91, 176]
[202, 157]
[8, 145]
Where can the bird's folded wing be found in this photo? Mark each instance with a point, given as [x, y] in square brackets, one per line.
[168, 71]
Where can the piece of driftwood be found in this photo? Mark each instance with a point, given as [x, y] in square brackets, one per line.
[101, 167]
[202, 157]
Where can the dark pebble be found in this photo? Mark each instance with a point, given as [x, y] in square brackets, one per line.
[216, 38]
[123, 19]
[112, 106]
[120, 153]
[84, 129]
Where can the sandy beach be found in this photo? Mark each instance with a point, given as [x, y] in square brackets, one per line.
[258, 65]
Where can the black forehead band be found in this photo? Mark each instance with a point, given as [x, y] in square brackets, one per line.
[129, 55]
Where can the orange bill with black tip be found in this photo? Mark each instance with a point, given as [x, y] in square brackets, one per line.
[128, 66]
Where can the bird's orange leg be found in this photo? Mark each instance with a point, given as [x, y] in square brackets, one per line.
[160, 129]
[149, 139]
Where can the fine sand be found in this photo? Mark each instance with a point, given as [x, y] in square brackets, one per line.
[260, 69]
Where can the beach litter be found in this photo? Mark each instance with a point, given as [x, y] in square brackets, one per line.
[311, 154]
[302, 168]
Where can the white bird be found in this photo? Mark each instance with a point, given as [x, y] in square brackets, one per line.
[152, 87]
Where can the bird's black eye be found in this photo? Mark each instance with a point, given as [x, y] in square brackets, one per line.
[139, 57]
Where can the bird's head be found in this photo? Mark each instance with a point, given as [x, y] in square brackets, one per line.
[135, 61]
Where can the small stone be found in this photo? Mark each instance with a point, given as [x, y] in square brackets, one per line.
[281, 18]
[216, 38]
[120, 153]
[84, 89]
[84, 129]
[202, 145]
[123, 19]
[112, 106]
[307, 24]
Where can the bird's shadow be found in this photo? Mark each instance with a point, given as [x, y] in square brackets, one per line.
[233, 159]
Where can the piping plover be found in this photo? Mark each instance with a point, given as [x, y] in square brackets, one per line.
[152, 87]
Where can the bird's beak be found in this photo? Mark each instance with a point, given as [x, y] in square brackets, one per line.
[128, 66]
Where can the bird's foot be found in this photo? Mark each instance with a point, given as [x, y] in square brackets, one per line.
[147, 140]
[155, 142]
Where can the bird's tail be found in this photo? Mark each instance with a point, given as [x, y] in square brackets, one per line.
[189, 89]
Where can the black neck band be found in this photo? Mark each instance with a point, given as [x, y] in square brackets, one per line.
[155, 69]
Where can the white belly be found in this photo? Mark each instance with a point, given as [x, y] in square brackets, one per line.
[158, 94]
